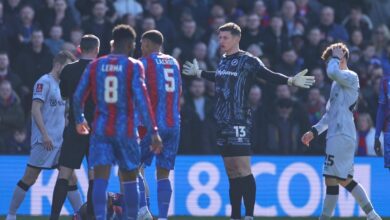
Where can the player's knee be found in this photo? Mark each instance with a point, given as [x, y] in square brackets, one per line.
[349, 184]
[90, 174]
[73, 180]
[65, 173]
[162, 173]
[29, 178]
[23, 185]
[128, 176]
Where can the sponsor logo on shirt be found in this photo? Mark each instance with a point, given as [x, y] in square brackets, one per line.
[226, 73]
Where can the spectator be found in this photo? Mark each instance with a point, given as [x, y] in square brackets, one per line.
[4, 30]
[275, 39]
[366, 136]
[196, 110]
[381, 38]
[217, 11]
[70, 48]
[7, 74]
[26, 24]
[333, 32]
[321, 83]
[357, 20]
[284, 130]
[313, 49]
[12, 11]
[132, 7]
[58, 15]
[55, 42]
[307, 11]
[357, 39]
[290, 64]
[197, 8]
[289, 9]
[85, 9]
[148, 23]
[251, 34]
[36, 60]
[213, 44]
[261, 10]
[11, 112]
[255, 50]
[200, 53]
[259, 120]
[99, 25]
[75, 36]
[187, 39]
[18, 143]
[164, 25]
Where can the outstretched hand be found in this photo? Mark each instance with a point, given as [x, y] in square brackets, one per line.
[191, 69]
[301, 80]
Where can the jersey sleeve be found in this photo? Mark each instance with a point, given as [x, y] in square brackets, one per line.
[322, 125]
[81, 94]
[64, 84]
[142, 99]
[261, 71]
[344, 78]
[41, 90]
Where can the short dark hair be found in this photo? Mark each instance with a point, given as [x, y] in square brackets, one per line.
[233, 28]
[123, 32]
[328, 51]
[154, 35]
[89, 42]
[63, 56]
[3, 52]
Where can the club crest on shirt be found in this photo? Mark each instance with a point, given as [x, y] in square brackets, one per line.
[39, 87]
[234, 62]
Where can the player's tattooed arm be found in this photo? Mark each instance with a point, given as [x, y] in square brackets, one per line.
[38, 119]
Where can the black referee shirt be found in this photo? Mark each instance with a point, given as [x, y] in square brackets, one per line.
[70, 77]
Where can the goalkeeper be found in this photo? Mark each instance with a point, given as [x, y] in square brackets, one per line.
[235, 74]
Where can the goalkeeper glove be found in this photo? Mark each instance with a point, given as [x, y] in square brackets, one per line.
[192, 69]
[300, 80]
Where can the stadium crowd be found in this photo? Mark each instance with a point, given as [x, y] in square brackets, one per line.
[287, 35]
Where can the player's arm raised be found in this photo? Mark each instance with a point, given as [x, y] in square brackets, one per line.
[192, 69]
[299, 80]
[144, 106]
[334, 72]
[39, 97]
[79, 98]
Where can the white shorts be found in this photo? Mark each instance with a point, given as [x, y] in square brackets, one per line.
[42, 158]
[340, 152]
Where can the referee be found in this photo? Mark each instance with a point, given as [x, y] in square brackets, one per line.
[75, 146]
[235, 74]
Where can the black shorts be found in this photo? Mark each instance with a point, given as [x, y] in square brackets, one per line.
[74, 148]
[234, 140]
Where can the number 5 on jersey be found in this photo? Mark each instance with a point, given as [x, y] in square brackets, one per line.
[169, 80]
[111, 89]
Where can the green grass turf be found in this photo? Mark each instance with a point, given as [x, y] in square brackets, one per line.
[191, 218]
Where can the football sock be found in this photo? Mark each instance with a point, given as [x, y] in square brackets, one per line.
[360, 195]
[18, 197]
[235, 195]
[131, 195]
[74, 198]
[249, 194]
[59, 196]
[89, 198]
[332, 195]
[164, 193]
[142, 197]
[99, 198]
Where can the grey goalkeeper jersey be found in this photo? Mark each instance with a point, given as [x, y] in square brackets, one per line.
[344, 93]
